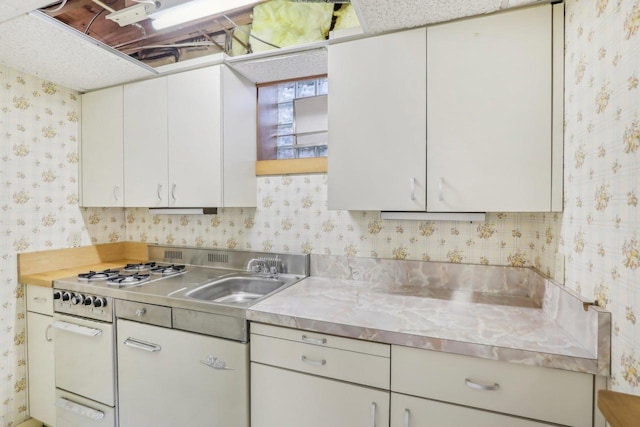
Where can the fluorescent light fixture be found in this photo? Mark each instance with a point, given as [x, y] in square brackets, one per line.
[193, 10]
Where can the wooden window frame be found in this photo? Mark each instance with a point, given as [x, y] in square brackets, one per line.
[266, 165]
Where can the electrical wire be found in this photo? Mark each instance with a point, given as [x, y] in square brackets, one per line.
[236, 26]
[86, 31]
[57, 9]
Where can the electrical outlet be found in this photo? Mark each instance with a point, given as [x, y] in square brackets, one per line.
[558, 274]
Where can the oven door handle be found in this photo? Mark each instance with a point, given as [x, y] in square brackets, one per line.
[142, 345]
[76, 329]
[79, 409]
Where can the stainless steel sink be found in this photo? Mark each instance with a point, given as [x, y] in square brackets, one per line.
[236, 290]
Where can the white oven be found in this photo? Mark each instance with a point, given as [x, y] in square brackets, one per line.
[85, 370]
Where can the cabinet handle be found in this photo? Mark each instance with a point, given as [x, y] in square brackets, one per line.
[160, 192]
[142, 345]
[373, 414]
[46, 334]
[173, 192]
[478, 386]
[79, 409]
[440, 189]
[412, 188]
[314, 340]
[116, 191]
[76, 329]
[141, 312]
[405, 422]
[40, 300]
[313, 362]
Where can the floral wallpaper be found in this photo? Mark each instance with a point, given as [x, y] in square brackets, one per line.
[38, 208]
[292, 216]
[598, 232]
[600, 227]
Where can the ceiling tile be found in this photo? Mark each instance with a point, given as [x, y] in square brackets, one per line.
[41, 46]
[378, 16]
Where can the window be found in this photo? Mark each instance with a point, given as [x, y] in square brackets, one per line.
[292, 125]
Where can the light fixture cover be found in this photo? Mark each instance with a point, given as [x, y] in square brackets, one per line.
[129, 15]
[193, 10]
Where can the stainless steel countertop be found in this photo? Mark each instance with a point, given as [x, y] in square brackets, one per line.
[172, 291]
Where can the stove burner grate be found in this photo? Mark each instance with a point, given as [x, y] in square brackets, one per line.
[140, 266]
[98, 275]
[128, 279]
[168, 270]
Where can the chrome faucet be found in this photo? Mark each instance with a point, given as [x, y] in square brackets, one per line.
[259, 267]
[256, 265]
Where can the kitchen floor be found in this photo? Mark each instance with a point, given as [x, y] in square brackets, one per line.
[31, 423]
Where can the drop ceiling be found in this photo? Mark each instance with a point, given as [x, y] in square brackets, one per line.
[55, 47]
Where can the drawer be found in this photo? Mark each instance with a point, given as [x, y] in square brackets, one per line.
[144, 313]
[76, 411]
[315, 338]
[359, 368]
[551, 395]
[40, 299]
[408, 411]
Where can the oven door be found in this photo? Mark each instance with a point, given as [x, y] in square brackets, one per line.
[85, 358]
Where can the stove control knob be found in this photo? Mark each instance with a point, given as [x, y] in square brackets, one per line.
[99, 302]
[57, 294]
[66, 296]
[88, 300]
[77, 299]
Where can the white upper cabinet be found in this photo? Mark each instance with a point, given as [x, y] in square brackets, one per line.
[145, 144]
[190, 140]
[195, 173]
[377, 127]
[464, 116]
[102, 149]
[489, 113]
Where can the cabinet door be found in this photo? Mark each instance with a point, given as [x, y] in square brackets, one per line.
[282, 398]
[145, 144]
[168, 377]
[239, 139]
[42, 389]
[489, 113]
[377, 129]
[408, 411]
[102, 148]
[195, 166]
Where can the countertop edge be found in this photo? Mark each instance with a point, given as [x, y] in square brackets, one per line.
[491, 352]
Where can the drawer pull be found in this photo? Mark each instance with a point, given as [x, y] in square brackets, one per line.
[142, 345]
[313, 362]
[373, 414]
[314, 340]
[485, 387]
[40, 300]
[79, 409]
[405, 422]
[76, 329]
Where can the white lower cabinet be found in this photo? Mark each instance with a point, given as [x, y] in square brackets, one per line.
[409, 411]
[283, 398]
[548, 395]
[316, 380]
[40, 360]
[169, 378]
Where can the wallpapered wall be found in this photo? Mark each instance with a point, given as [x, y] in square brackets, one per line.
[38, 207]
[600, 225]
[598, 231]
